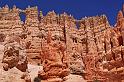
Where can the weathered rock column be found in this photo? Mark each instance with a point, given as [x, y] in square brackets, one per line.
[54, 66]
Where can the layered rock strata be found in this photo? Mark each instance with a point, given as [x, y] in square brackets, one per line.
[93, 48]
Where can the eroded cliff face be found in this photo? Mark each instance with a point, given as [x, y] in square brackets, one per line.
[93, 48]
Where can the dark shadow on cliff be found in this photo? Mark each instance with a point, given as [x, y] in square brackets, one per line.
[37, 79]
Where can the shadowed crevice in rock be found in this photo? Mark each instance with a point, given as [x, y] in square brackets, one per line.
[37, 79]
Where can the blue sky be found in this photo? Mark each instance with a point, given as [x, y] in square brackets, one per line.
[77, 8]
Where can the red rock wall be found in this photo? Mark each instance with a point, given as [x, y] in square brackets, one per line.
[87, 48]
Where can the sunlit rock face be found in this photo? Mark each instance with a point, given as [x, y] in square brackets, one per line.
[89, 47]
[54, 65]
[14, 55]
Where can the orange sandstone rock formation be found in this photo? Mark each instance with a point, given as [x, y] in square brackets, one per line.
[89, 47]
[54, 64]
